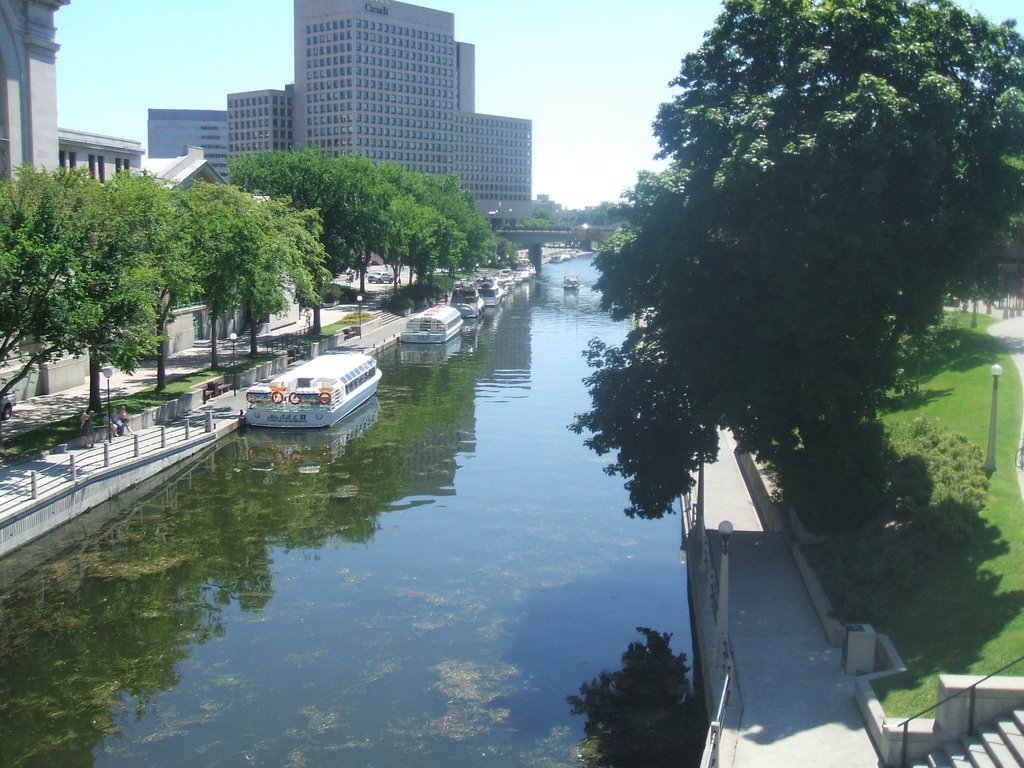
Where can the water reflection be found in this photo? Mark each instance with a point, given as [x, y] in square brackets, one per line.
[428, 596]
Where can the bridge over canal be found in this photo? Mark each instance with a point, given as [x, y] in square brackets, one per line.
[535, 239]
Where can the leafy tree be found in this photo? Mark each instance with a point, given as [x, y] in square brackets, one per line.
[146, 216]
[643, 715]
[288, 258]
[70, 284]
[43, 243]
[252, 252]
[311, 180]
[835, 167]
[132, 235]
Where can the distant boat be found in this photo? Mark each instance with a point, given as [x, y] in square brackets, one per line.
[316, 394]
[571, 282]
[466, 298]
[434, 326]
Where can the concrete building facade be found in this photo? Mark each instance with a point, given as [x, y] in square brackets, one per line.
[260, 121]
[102, 155]
[173, 131]
[28, 84]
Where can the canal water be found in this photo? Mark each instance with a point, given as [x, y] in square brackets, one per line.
[422, 586]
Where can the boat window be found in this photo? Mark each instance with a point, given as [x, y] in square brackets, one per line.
[305, 382]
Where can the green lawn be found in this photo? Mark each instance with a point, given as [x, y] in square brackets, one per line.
[962, 613]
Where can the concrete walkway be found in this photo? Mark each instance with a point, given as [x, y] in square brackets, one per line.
[28, 483]
[798, 705]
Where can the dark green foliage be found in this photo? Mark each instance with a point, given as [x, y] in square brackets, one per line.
[332, 293]
[643, 715]
[937, 489]
[939, 482]
[836, 169]
[646, 418]
[840, 483]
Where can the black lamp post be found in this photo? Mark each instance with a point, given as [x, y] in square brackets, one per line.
[108, 371]
[234, 373]
[359, 303]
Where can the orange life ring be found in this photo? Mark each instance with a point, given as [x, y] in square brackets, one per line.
[277, 398]
[325, 398]
[293, 398]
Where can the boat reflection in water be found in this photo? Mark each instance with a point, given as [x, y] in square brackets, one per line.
[430, 353]
[305, 451]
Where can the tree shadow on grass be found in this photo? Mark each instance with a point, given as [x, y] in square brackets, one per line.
[942, 607]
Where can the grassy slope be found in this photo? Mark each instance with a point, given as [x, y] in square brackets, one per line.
[965, 616]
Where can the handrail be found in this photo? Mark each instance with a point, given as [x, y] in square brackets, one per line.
[970, 717]
[714, 741]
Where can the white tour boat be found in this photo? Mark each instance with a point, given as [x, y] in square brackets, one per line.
[316, 394]
[434, 326]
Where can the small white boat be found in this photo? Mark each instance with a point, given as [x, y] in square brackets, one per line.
[467, 300]
[434, 326]
[525, 270]
[491, 292]
[316, 394]
[571, 282]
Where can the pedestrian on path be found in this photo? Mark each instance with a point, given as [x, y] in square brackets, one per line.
[86, 427]
[124, 422]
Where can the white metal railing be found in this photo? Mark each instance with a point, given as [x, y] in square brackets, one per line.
[18, 486]
[714, 739]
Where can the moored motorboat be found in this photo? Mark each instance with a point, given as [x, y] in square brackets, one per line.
[466, 298]
[313, 395]
[433, 326]
[491, 292]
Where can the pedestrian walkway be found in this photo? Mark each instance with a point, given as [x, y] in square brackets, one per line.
[47, 409]
[798, 706]
[39, 492]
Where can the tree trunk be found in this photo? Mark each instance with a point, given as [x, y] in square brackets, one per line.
[95, 398]
[213, 342]
[161, 357]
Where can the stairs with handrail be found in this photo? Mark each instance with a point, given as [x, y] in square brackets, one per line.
[998, 746]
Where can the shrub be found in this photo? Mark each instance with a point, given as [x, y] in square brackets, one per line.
[939, 481]
[333, 293]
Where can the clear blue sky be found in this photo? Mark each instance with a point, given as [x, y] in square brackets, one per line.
[590, 74]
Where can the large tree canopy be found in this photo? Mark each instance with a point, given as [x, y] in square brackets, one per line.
[835, 167]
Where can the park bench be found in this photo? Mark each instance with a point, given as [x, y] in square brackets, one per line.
[215, 387]
[352, 332]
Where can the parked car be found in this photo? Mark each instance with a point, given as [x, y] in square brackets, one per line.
[380, 277]
[7, 405]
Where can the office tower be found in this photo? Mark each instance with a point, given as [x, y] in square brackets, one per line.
[173, 131]
[260, 121]
[388, 80]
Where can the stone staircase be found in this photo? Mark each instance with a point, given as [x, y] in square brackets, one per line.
[1000, 746]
